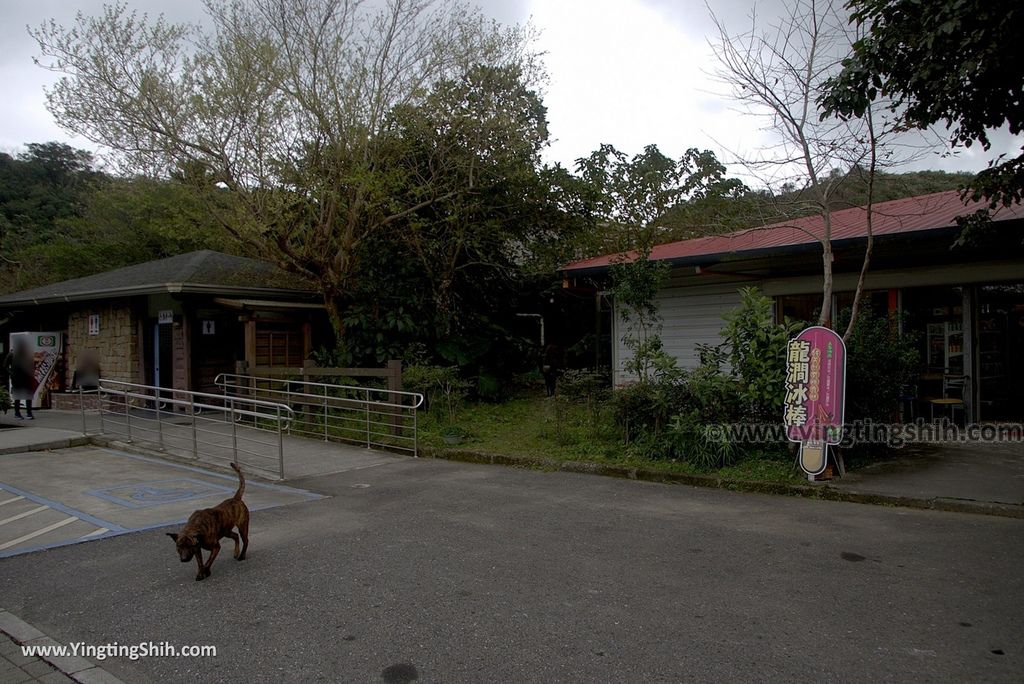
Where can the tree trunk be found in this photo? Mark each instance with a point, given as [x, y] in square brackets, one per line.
[869, 219]
[825, 319]
[334, 314]
[858, 295]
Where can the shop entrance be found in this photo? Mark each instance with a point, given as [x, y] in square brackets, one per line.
[971, 341]
[1000, 352]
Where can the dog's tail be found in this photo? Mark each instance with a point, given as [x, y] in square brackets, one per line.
[241, 482]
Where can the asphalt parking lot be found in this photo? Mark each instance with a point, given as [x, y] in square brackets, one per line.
[434, 571]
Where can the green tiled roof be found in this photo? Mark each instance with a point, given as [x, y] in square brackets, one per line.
[204, 271]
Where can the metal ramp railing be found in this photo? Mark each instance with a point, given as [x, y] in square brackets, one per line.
[247, 431]
[381, 418]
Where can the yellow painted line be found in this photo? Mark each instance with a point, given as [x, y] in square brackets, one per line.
[23, 515]
[17, 498]
[33, 535]
[95, 532]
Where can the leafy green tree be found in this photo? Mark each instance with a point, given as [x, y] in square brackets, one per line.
[957, 62]
[446, 277]
[290, 106]
[486, 129]
[628, 199]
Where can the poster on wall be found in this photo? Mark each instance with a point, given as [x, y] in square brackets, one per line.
[45, 351]
[815, 395]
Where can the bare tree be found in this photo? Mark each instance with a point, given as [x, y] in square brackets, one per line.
[779, 74]
[280, 113]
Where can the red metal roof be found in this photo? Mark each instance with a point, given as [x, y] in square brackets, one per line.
[922, 213]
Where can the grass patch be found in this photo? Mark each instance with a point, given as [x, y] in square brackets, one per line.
[554, 428]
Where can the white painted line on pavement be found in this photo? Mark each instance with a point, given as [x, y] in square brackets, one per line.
[33, 535]
[17, 498]
[95, 532]
[22, 515]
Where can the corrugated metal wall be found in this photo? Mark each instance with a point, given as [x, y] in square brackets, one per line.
[690, 316]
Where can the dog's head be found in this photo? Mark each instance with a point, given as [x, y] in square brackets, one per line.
[186, 546]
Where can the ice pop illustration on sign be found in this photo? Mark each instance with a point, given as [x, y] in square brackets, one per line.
[815, 395]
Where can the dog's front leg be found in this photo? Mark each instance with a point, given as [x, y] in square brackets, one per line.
[214, 550]
[199, 562]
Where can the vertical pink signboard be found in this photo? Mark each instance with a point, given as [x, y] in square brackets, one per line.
[815, 394]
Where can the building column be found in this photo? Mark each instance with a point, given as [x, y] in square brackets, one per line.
[250, 343]
[971, 366]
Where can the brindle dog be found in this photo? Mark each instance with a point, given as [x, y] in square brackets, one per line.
[207, 526]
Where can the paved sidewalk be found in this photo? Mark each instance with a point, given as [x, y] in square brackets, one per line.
[985, 473]
[33, 437]
[16, 667]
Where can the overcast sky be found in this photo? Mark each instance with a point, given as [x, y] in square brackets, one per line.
[625, 72]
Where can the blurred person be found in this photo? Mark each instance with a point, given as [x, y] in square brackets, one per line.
[87, 372]
[20, 366]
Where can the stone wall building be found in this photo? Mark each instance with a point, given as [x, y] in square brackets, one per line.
[116, 345]
[175, 322]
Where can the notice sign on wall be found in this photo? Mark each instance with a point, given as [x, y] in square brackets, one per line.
[815, 394]
[94, 324]
[209, 328]
[165, 317]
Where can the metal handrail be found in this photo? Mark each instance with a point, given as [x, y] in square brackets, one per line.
[277, 418]
[225, 380]
[190, 394]
[315, 399]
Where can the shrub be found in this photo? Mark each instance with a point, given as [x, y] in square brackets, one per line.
[441, 386]
[591, 388]
[755, 347]
[648, 406]
[880, 364]
[633, 407]
[700, 443]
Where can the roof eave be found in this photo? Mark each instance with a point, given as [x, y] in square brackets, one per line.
[171, 288]
[782, 250]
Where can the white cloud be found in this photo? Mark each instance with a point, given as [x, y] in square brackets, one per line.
[623, 73]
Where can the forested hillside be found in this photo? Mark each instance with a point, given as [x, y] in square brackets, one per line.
[753, 208]
[61, 218]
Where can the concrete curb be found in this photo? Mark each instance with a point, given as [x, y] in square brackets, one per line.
[76, 667]
[822, 492]
[47, 446]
